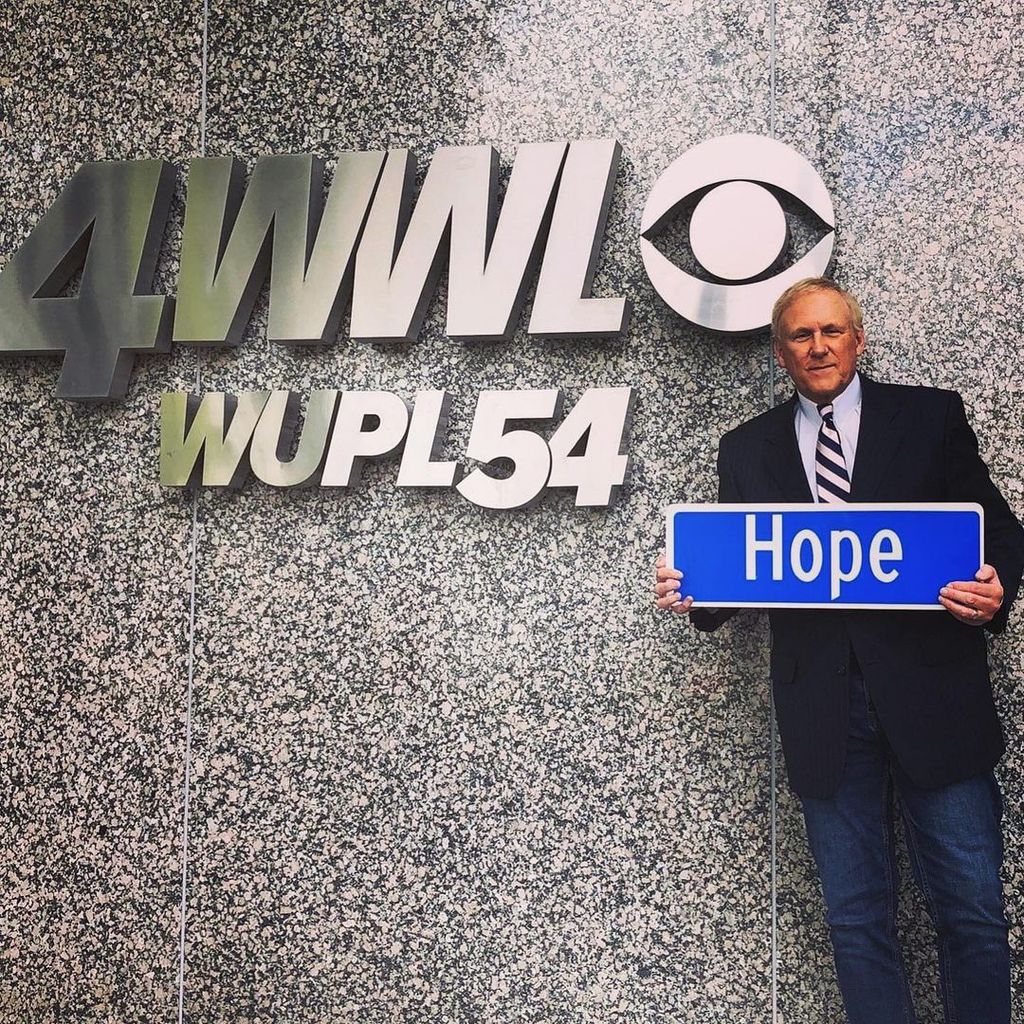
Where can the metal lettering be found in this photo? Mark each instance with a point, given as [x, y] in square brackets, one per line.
[597, 422]
[228, 243]
[423, 444]
[307, 309]
[199, 447]
[734, 307]
[275, 434]
[190, 428]
[488, 258]
[110, 216]
[370, 243]
[353, 441]
[529, 452]
[488, 276]
[563, 306]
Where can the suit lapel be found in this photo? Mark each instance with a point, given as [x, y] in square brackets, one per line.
[877, 442]
[783, 454]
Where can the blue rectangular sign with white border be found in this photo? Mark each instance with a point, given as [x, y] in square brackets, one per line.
[803, 555]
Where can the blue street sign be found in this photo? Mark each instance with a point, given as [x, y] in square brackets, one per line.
[824, 556]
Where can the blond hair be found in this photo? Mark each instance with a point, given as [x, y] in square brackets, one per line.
[815, 284]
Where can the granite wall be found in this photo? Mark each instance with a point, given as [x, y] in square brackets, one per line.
[396, 757]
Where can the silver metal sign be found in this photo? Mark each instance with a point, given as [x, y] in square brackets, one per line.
[274, 435]
[737, 230]
[370, 246]
[215, 441]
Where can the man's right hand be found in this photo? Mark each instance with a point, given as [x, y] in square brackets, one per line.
[666, 588]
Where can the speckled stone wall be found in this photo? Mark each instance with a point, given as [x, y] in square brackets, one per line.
[449, 765]
[94, 557]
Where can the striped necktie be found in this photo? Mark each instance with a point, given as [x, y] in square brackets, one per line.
[829, 464]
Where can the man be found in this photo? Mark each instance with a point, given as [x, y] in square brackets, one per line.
[866, 700]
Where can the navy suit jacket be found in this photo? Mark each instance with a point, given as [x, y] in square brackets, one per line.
[927, 673]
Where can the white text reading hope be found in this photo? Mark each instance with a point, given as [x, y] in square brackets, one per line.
[807, 554]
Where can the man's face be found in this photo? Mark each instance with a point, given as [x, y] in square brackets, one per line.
[818, 345]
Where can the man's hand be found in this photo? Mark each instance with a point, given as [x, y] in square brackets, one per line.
[974, 603]
[666, 588]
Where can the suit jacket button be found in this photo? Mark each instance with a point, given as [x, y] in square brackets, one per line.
[841, 671]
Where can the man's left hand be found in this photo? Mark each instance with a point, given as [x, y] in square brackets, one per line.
[974, 602]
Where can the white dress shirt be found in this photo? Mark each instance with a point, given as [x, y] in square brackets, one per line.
[807, 423]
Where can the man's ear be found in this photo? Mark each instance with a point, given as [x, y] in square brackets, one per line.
[778, 355]
[861, 342]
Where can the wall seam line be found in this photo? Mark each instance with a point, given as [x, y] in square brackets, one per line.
[194, 546]
[773, 743]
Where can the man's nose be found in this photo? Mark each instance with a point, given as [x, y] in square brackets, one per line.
[818, 342]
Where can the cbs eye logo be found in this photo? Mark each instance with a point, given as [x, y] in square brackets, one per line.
[738, 230]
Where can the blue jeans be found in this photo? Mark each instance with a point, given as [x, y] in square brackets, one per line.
[956, 849]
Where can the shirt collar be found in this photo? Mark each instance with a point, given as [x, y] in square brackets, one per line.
[846, 401]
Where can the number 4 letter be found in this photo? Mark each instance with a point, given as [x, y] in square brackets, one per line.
[587, 449]
[108, 222]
